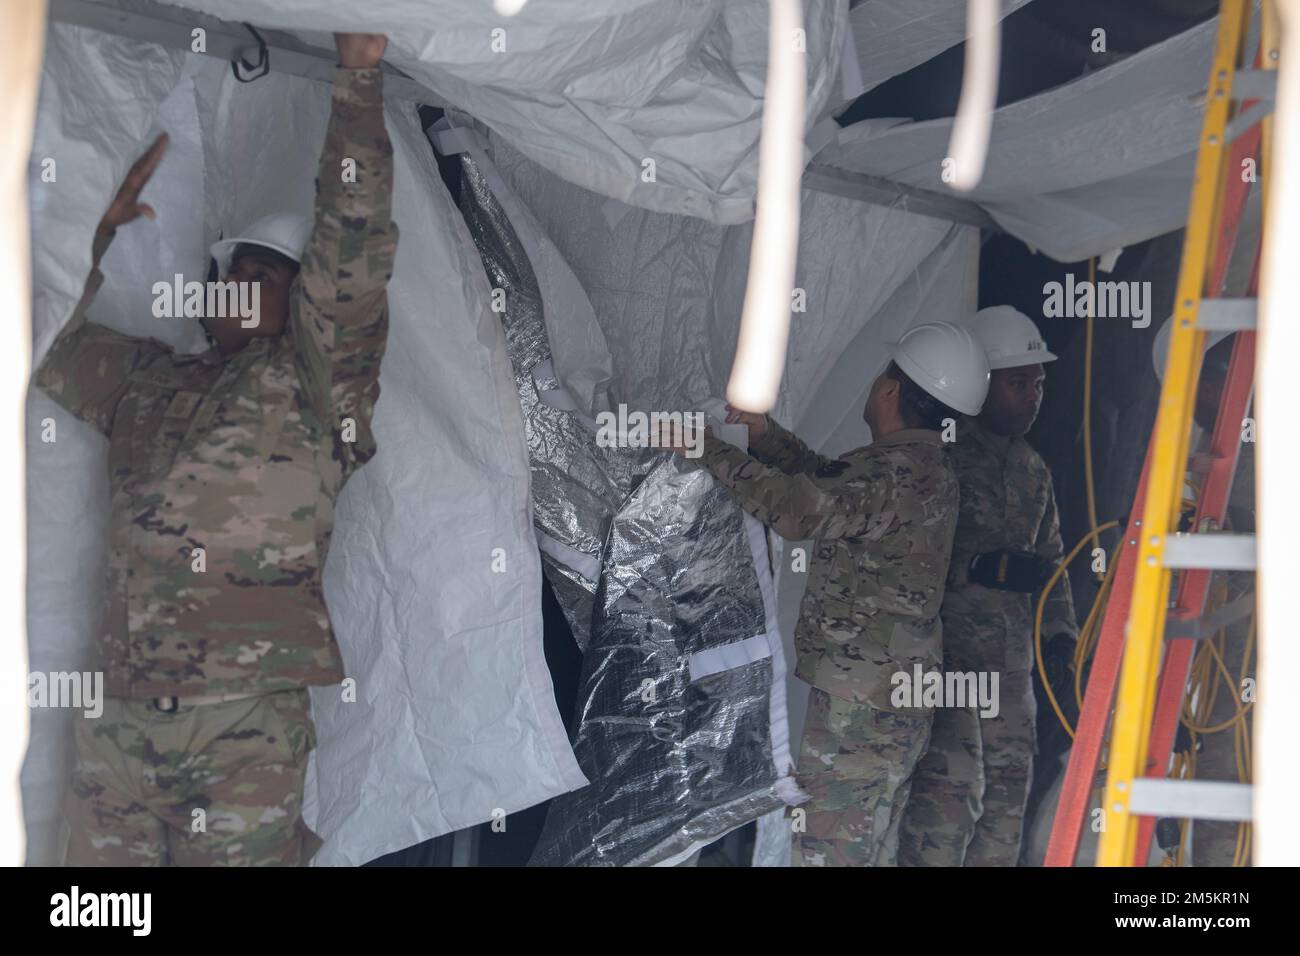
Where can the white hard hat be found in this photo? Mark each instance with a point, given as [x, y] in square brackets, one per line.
[285, 232]
[1160, 348]
[946, 361]
[1010, 337]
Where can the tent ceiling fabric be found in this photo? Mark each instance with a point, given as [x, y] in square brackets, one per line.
[667, 291]
[892, 37]
[1102, 162]
[593, 91]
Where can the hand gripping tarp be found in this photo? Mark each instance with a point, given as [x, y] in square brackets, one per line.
[433, 578]
[680, 724]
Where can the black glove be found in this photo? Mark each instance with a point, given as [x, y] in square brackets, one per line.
[1021, 571]
[1058, 662]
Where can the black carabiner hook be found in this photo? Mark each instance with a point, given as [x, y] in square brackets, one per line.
[263, 64]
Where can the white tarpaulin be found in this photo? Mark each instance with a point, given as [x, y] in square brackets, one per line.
[454, 715]
[657, 102]
[1102, 162]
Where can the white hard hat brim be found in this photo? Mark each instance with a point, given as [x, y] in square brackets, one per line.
[223, 249]
[1026, 358]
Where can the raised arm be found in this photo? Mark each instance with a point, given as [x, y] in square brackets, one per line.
[86, 368]
[783, 448]
[340, 319]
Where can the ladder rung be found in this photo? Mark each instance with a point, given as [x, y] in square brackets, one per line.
[1220, 552]
[1246, 119]
[1179, 624]
[1254, 85]
[1190, 799]
[1226, 315]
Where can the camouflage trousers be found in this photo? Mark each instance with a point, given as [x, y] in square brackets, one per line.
[967, 806]
[211, 785]
[856, 762]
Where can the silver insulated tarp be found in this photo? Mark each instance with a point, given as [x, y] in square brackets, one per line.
[680, 718]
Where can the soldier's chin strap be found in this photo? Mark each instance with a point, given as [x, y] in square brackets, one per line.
[213, 344]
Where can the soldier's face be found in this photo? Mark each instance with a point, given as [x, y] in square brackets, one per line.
[1208, 393]
[231, 332]
[1015, 395]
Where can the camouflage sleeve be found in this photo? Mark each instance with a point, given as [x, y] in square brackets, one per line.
[822, 504]
[86, 368]
[340, 319]
[1058, 613]
[783, 449]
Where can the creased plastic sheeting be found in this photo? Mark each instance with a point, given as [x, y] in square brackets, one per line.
[581, 360]
[1102, 162]
[593, 91]
[445, 640]
[454, 715]
[577, 484]
[674, 762]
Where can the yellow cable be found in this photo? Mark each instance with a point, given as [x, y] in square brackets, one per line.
[1038, 619]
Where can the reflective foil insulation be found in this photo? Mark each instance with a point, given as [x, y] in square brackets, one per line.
[651, 560]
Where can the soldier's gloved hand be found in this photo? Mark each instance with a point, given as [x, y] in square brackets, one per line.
[1021, 571]
[1058, 662]
[756, 422]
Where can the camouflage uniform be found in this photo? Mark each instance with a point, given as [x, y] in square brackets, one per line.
[242, 457]
[968, 798]
[212, 785]
[882, 518]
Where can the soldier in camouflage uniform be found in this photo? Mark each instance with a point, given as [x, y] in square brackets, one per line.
[224, 468]
[882, 518]
[968, 798]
